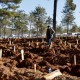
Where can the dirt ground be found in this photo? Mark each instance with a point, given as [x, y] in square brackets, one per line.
[63, 54]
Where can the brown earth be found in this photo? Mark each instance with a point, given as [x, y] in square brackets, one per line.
[36, 51]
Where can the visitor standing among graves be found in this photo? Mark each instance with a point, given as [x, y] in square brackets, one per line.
[49, 34]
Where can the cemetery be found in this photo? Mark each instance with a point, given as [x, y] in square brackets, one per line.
[39, 40]
[31, 58]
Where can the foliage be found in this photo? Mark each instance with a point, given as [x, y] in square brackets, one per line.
[74, 28]
[10, 1]
[49, 21]
[68, 18]
[9, 16]
[39, 19]
[59, 29]
[21, 20]
[33, 31]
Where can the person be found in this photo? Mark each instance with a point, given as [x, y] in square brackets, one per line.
[49, 34]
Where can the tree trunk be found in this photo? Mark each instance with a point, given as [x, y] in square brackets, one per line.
[30, 31]
[18, 33]
[11, 33]
[4, 32]
[37, 32]
[22, 32]
[67, 29]
[54, 17]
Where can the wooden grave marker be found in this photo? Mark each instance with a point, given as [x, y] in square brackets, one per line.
[22, 54]
[77, 41]
[76, 46]
[70, 45]
[0, 53]
[65, 43]
[9, 42]
[74, 59]
[34, 68]
[29, 43]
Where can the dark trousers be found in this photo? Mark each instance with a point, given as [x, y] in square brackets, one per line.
[49, 41]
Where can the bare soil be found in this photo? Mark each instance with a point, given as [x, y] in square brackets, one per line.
[36, 51]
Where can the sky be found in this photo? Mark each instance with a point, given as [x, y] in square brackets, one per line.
[29, 5]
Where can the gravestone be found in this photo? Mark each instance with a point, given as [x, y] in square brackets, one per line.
[22, 54]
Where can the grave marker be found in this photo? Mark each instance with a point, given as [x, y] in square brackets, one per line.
[10, 42]
[65, 43]
[37, 43]
[60, 41]
[76, 46]
[0, 53]
[22, 54]
[70, 45]
[74, 59]
[29, 43]
[77, 41]
[34, 68]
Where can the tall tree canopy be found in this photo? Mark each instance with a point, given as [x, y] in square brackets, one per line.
[10, 1]
[68, 18]
[49, 21]
[39, 19]
[10, 16]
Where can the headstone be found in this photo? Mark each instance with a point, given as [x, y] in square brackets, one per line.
[37, 43]
[0, 53]
[74, 59]
[77, 41]
[76, 46]
[29, 43]
[65, 43]
[60, 41]
[10, 42]
[34, 68]
[22, 54]
[70, 45]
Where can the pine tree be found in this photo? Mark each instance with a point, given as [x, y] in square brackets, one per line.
[68, 18]
[39, 19]
[7, 12]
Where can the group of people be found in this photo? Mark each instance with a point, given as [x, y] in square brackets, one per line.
[49, 34]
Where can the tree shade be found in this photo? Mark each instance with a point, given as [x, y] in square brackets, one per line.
[14, 1]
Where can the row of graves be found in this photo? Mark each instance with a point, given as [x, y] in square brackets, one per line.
[62, 56]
